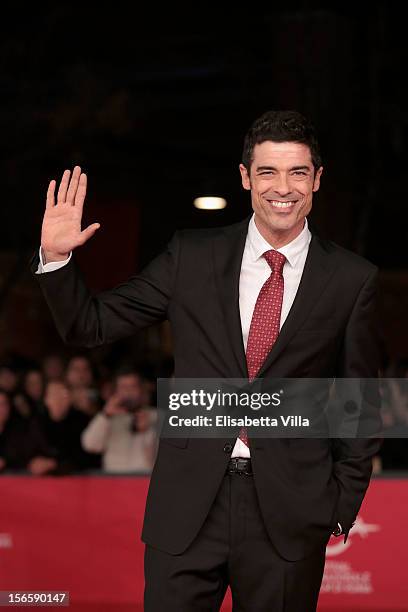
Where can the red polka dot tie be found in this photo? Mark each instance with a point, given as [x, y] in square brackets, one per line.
[265, 322]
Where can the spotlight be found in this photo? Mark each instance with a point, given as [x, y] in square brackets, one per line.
[210, 203]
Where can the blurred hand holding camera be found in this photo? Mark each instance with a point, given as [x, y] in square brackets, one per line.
[115, 406]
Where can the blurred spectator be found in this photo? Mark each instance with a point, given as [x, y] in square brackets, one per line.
[86, 400]
[79, 372]
[53, 367]
[21, 438]
[5, 424]
[61, 426]
[33, 385]
[124, 431]
[80, 378]
[9, 377]
[28, 400]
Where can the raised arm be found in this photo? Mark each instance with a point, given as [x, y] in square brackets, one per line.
[81, 318]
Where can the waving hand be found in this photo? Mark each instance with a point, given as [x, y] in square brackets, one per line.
[61, 227]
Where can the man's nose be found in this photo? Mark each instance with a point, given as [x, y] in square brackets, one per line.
[282, 186]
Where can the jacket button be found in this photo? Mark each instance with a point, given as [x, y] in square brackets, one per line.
[227, 448]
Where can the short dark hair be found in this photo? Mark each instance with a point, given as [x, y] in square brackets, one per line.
[127, 370]
[281, 126]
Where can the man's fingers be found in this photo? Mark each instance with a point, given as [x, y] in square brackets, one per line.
[73, 185]
[88, 232]
[81, 191]
[50, 194]
[62, 191]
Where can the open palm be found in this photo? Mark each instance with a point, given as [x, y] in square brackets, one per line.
[61, 227]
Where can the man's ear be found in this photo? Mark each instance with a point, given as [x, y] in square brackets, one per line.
[316, 180]
[246, 183]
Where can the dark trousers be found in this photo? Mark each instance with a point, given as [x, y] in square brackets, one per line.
[232, 548]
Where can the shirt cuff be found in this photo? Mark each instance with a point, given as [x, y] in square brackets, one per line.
[52, 265]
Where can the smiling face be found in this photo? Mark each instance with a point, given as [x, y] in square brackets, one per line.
[282, 180]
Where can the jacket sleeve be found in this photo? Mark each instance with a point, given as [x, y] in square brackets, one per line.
[360, 359]
[87, 320]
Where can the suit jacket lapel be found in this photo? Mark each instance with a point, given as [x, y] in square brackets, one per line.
[228, 249]
[316, 274]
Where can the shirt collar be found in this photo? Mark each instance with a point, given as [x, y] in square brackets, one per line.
[292, 251]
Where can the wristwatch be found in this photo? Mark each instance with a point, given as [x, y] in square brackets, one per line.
[338, 531]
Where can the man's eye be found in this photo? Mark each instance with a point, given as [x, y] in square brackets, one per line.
[299, 173]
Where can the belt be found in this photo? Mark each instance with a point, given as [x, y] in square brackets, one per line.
[240, 465]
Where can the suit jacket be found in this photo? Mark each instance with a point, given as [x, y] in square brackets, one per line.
[304, 486]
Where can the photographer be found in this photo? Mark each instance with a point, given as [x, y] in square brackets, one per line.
[124, 431]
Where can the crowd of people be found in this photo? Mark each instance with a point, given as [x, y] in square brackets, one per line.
[62, 417]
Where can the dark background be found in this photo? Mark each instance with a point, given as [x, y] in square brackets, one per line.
[154, 105]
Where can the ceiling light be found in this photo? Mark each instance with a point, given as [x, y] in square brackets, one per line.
[210, 203]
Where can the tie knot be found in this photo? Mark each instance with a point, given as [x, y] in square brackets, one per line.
[275, 260]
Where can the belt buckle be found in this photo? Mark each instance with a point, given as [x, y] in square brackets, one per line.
[235, 469]
[245, 471]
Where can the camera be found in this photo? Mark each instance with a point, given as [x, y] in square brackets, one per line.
[130, 404]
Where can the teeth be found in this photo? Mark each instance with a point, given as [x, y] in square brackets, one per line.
[281, 204]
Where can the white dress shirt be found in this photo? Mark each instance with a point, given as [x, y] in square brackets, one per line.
[255, 270]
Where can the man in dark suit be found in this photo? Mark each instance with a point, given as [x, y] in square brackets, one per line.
[261, 298]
